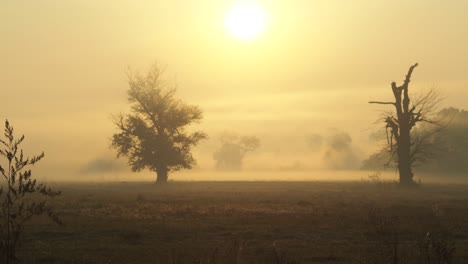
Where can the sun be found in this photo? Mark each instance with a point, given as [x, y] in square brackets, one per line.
[246, 21]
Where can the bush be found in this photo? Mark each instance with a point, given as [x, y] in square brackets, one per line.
[17, 188]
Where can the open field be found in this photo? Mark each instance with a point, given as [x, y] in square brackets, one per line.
[251, 222]
[210, 175]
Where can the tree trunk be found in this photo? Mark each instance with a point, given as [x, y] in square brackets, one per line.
[403, 152]
[161, 177]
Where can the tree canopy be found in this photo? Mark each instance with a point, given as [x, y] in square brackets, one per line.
[155, 135]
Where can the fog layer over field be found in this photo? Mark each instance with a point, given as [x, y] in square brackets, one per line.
[301, 89]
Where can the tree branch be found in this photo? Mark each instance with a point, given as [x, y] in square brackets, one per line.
[384, 103]
[408, 76]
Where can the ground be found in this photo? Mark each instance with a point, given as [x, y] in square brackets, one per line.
[252, 222]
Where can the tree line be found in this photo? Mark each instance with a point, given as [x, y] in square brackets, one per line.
[155, 134]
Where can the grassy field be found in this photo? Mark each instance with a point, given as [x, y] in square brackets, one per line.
[252, 222]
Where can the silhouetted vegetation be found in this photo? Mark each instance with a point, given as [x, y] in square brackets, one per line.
[19, 194]
[339, 152]
[452, 141]
[336, 148]
[294, 180]
[405, 147]
[230, 155]
[155, 135]
[449, 145]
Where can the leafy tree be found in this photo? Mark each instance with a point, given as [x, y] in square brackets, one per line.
[19, 194]
[230, 155]
[406, 147]
[154, 135]
[453, 142]
[339, 152]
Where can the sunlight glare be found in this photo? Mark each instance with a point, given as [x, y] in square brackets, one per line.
[246, 21]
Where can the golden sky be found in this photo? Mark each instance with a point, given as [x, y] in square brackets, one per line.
[63, 63]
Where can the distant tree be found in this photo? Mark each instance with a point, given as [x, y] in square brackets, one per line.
[407, 148]
[154, 135]
[20, 195]
[233, 149]
[380, 160]
[339, 152]
[453, 142]
[315, 142]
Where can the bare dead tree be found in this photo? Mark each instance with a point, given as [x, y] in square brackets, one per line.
[407, 148]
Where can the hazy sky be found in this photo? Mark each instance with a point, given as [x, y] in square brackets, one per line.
[63, 63]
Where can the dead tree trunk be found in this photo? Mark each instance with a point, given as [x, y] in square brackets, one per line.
[399, 126]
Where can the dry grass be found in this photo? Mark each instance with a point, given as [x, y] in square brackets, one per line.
[248, 222]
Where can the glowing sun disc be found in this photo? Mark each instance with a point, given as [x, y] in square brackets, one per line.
[246, 21]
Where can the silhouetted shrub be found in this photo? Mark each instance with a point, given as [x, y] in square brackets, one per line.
[19, 195]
